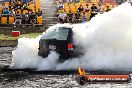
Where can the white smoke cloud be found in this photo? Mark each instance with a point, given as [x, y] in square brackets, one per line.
[106, 41]
[27, 57]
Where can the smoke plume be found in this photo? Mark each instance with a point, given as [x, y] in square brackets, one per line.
[106, 41]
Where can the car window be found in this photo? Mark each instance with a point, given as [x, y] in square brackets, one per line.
[58, 34]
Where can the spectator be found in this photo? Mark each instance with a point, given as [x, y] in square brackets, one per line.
[19, 10]
[19, 5]
[61, 17]
[18, 18]
[100, 9]
[94, 11]
[73, 18]
[27, 21]
[3, 7]
[39, 13]
[87, 9]
[60, 6]
[84, 17]
[12, 6]
[15, 4]
[80, 9]
[30, 11]
[66, 19]
[78, 16]
[108, 9]
[6, 11]
[23, 18]
[32, 17]
[25, 7]
[70, 16]
[13, 11]
[94, 8]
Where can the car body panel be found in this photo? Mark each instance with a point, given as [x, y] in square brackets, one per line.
[59, 45]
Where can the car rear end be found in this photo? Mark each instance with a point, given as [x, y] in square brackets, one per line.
[59, 40]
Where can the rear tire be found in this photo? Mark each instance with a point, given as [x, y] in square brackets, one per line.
[81, 80]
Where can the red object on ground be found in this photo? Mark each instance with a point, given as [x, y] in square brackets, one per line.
[15, 33]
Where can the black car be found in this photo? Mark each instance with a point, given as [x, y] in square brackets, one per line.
[59, 40]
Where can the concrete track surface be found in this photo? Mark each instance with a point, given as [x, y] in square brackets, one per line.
[31, 79]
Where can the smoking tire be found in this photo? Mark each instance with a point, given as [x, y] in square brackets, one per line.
[81, 80]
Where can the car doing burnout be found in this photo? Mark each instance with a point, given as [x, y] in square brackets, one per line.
[60, 40]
